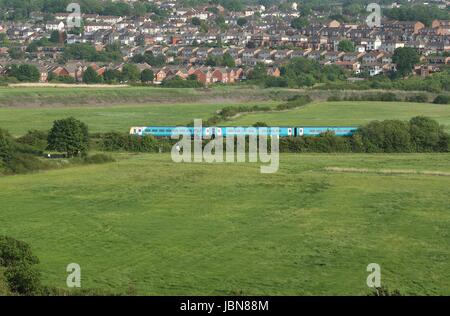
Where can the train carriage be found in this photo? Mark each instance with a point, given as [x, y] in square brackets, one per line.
[317, 130]
[213, 132]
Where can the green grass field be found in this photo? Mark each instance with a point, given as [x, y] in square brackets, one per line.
[158, 227]
[112, 118]
[120, 118]
[348, 113]
[76, 95]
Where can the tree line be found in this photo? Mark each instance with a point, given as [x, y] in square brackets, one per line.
[20, 9]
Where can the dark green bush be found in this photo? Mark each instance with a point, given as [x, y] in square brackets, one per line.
[14, 251]
[389, 136]
[384, 291]
[69, 136]
[6, 147]
[260, 124]
[442, 99]
[385, 96]
[295, 102]
[23, 163]
[418, 98]
[34, 138]
[325, 143]
[23, 279]
[334, 98]
[271, 81]
[427, 135]
[177, 82]
[124, 142]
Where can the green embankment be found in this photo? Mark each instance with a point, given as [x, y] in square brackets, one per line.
[160, 228]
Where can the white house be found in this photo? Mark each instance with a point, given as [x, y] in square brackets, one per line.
[55, 26]
[374, 44]
[93, 27]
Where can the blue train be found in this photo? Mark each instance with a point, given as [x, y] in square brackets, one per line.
[211, 132]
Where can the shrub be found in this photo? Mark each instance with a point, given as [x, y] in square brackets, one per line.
[334, 98]
[116, 141]
[98, 159]
[70, 136]
[419, 98]
[387, 136]
[426, 134]
[34, 138]
[295, 102]
[275, 82]
[23, 279]
[177, 82]
[260, 124]
[442, 99]
[327, 142]
[14, 251]
[23, 163]
[384, 291]
[6, 147]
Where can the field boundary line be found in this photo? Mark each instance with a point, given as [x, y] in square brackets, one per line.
[388, 171]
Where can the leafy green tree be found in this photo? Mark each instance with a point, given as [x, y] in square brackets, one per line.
[346, 46]
[228, 60]
[111, 75]
[24, 279]
[425, 133]
[80, 51]
[6, 154]
[130, 72]
[442, 99]
[259, 72]
[69, 136]
[16, 53]
[220, 21]
[147, 75]
[203, 28]
[55, 37]
[32, 47]
[4, 41]
[149, 58]
[241, 21]
[299, 23]
[196, 21]
[91, 76]
[13, 252]
[385, 136]
[25, 72]
[232, 5]
[405, 58]
[260, 124]
[212, 61]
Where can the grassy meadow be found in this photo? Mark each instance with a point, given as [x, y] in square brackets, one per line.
[110, 118]
[120, 118]
[33, 96]
[146, 225]
[345, 113]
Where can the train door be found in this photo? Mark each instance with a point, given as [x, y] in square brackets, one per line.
[216, 132]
